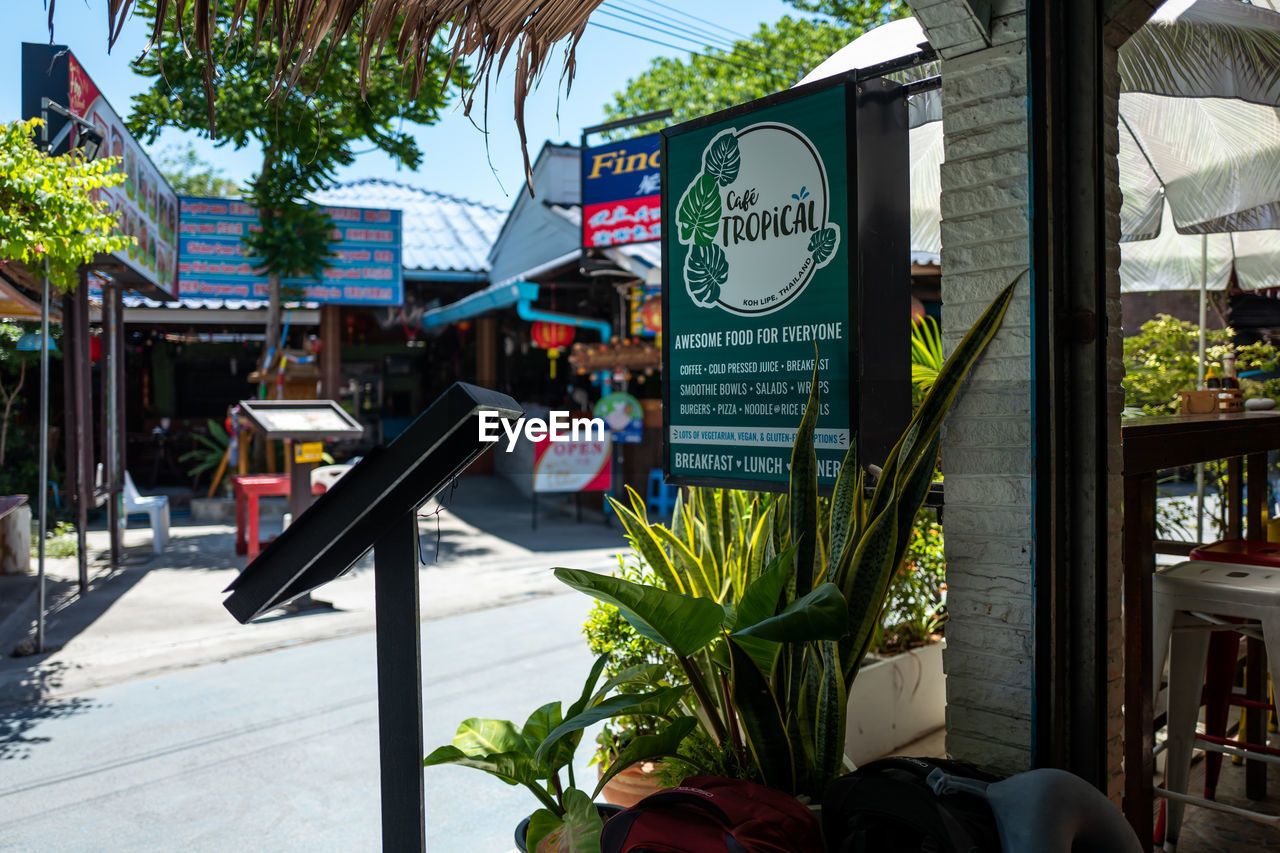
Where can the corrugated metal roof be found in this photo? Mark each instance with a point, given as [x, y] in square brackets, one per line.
[441, 232]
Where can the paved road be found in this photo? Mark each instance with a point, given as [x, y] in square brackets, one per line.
[278, 751]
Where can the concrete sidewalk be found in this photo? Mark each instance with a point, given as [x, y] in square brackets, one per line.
[164, 612]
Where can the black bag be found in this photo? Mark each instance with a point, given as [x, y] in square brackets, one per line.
[888, 806]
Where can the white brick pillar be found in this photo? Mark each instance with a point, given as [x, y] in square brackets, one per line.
[987, 451]
[987, 445]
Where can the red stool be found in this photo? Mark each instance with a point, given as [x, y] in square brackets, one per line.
[249, 488]
[1224, 652]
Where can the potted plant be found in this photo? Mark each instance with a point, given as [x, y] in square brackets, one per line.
[610, 635]
[535, 754]
[769, 674]
[900, 694]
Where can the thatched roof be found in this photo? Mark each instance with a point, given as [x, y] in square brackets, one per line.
[487, 33]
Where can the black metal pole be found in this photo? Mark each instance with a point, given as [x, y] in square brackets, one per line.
[395, 572]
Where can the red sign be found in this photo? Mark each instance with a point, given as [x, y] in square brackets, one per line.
[571, 466]
[145, 205]
[621, 193]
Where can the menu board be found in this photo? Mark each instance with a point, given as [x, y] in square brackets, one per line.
[763, 282]
[145, 204]
[301, 419]
[365, 267]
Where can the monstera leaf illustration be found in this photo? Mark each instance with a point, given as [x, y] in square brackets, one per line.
[822, 244]
[722, 160]
[699, 211]
[705, 270]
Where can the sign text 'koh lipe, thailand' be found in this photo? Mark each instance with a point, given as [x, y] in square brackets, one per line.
[782, 251]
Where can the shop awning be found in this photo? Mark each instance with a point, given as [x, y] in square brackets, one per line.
[198, 311]
[16, 305]
[481, 302]
[517, 294]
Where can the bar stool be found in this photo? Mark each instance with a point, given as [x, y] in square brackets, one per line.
[1224, 654]
[1189, 601]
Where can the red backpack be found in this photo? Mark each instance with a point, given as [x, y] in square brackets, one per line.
[708, 814]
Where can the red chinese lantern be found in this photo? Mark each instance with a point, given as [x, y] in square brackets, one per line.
[95, 349]
[651, 314]
[551, 337]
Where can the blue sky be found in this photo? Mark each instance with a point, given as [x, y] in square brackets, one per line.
[455, 159]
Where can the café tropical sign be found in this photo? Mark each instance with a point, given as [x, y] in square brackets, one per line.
[786, 252]
[760, 203]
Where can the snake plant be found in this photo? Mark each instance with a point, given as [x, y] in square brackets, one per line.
[769, 666]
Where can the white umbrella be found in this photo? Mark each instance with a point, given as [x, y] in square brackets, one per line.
[1173, 261]
[1199, 144]
[1199, 125]
[1199, 147]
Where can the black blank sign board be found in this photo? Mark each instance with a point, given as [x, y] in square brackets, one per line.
[376, 506]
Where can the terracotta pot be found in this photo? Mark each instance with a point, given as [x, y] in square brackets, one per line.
[633, 784]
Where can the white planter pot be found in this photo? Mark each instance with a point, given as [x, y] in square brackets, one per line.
[895, 701]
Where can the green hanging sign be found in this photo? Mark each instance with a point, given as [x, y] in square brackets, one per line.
[774, 223]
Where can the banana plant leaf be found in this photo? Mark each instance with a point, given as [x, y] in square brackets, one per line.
[657, 703]
[514, 768]
[682, 623]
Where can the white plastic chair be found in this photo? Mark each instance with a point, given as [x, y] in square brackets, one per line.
[155, 507]
[327, 475]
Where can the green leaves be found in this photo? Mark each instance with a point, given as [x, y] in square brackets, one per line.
[902, 487]
[514, 768]
[723, 159]
[705, 271]
[822, 244]
[716, 79]
[926, 356]
[680, 622]
[698, 215]
[48, 214]
[820, 615]
[534, 755]
[762, 721]
[657, 703]
[802, 583]
[477, 737]
[577, 831]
